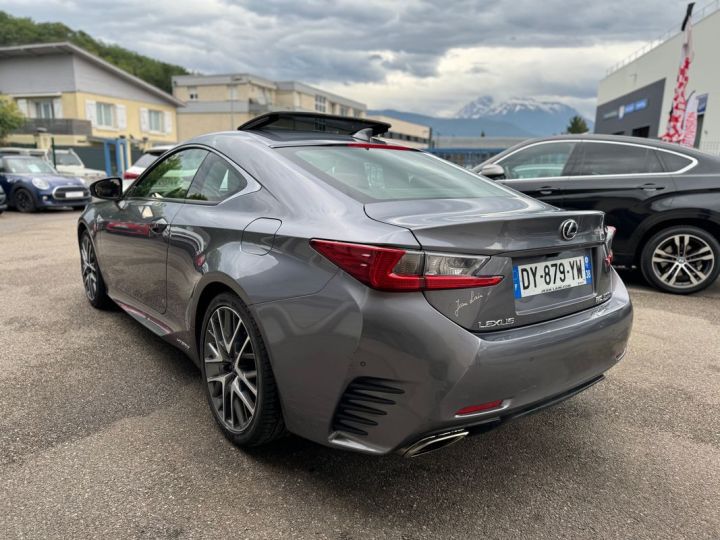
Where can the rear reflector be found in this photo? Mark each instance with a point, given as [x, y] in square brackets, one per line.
[480, 408]
[395, 269]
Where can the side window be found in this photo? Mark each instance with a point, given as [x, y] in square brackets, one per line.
[216, 181]
[170, 178]
[539, 161]
[607, 158]
[673, 162]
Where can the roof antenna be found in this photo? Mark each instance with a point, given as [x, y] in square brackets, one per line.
[364, 134]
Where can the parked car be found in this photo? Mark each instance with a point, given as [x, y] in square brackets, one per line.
[143, 162]
[3, 200]
[663, 199]
[31, 183]
[22, 151]
[363, 295]
[67, 162]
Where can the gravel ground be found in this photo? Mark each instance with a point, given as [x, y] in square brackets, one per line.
[104, 432]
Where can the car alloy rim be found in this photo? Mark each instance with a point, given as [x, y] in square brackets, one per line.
[88, 264]
[230, 368]
[683, 261]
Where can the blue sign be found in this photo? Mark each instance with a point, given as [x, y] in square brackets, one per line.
[702, 103]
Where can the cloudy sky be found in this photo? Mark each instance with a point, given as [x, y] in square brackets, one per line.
[426, 56]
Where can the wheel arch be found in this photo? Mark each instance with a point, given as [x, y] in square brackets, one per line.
[693, 220]
[81, 229]
[211, 286]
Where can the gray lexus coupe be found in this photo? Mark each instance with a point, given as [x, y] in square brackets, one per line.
[363, 295]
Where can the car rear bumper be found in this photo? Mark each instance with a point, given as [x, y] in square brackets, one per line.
[376, 372]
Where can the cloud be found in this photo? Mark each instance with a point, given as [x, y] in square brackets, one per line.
[442, 52]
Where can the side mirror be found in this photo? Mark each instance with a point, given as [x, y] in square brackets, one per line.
[109, 189]
[492, 171]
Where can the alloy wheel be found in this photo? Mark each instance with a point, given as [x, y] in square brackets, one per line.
[683, 260]
[88, 264]
[230, 369]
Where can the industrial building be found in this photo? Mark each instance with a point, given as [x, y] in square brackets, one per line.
[406, 133]
[471, 151]
[636, 96]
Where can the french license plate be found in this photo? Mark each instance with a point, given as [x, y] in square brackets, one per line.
[549, 276]
[74, 194]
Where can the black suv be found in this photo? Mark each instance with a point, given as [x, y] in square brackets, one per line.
[663, 199]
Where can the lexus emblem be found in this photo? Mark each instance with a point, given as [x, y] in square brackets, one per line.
[568, 229]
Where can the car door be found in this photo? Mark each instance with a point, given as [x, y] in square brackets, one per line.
[206, 223]
[621, 179]
[538, 169]
[132, 239]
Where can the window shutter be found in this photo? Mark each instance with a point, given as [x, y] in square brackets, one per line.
[144, 121]
[23, 106]
[91, 112]
[121, 113]
[168, 122]
[57, 108]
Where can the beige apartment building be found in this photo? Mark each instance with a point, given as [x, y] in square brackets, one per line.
[223, 102]
[80, 99]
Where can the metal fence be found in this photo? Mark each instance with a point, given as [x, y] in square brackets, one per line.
[698, 15]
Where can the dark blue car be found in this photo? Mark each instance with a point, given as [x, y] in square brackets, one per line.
[31, 183]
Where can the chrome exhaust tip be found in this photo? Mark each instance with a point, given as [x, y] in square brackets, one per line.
[434, 442]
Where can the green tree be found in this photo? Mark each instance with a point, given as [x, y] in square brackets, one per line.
[577, 125]
[10, 117]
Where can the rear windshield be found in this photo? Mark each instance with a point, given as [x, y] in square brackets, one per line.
[381, 174]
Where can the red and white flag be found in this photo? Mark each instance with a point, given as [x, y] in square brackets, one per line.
[676, 124]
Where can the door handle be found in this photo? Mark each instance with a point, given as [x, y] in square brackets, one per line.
[158, 226]
[651, 187]
[547, 190]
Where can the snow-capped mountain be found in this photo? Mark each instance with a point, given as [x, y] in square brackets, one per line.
[528, 114]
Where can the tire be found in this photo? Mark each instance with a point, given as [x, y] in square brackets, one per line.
[231, 371]
[93, 283]
[681, 260]
[24, 201]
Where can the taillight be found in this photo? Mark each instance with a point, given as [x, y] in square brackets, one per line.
[609, 236]
[395, 269]
[127, 175]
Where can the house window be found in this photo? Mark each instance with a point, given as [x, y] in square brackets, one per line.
[344, 111]
[105, 114]
[44, 109]
[320, 103]
[192, 93]
[155, 121]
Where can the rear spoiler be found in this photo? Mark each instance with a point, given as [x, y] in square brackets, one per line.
[314, 122]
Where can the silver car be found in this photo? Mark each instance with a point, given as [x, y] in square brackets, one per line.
[363, 295]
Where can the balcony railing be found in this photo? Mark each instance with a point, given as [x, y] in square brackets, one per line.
[65, 126]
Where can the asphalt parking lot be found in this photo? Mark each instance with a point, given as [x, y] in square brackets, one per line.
[104, 432]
